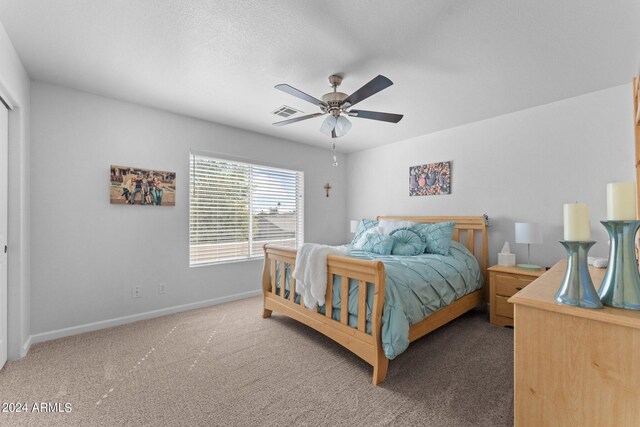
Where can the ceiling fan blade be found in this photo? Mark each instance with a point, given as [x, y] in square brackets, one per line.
[297, 119]
[371, 88]
[375, 115]
[299, 94]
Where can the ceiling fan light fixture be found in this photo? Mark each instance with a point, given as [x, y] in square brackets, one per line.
[343, 125]
[328, 125]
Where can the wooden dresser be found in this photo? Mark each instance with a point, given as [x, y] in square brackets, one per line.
[503, 283]
[574, 366]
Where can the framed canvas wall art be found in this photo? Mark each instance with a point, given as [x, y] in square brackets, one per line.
[146, 187]
[430, 179]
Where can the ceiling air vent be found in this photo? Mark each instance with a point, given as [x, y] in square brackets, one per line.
[286, 111]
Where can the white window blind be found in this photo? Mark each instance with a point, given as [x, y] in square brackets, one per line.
[235, 208]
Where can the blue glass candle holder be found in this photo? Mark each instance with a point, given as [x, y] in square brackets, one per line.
[577, 287]
[620, 286]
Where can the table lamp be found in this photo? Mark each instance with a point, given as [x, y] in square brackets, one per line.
[528, 233]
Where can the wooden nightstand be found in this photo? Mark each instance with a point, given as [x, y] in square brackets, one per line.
[504, 282]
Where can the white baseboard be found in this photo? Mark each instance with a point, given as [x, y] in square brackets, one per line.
[25, 347]
[88, 327]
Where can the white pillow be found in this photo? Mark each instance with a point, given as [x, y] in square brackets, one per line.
[361, 241]
[387, 226]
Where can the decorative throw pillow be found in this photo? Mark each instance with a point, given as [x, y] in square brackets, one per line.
[437, 236]
[363, 238]
[407, 243]
[378, 244]
[363, 226]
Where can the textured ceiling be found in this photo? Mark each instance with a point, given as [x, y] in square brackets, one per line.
[452, 62]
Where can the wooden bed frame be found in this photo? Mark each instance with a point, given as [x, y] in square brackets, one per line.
[369, 273]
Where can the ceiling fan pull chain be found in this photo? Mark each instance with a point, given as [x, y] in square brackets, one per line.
[335, 157]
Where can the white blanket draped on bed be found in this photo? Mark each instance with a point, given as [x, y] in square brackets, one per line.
[311, 271]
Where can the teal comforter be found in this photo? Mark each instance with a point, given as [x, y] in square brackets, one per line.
[416, 286]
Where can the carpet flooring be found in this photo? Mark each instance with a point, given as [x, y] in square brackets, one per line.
[225, 365]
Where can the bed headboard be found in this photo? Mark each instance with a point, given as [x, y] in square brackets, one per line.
[472, 228]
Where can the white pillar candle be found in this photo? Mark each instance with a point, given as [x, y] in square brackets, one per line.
[621, 201]
[576, 222]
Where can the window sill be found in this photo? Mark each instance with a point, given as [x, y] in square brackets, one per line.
[229, 261]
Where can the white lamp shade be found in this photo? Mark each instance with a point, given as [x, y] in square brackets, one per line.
[354, 225]
[328, 125]
[528, 232]
[342, 126]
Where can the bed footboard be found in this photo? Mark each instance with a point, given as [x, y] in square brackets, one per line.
[367, 346]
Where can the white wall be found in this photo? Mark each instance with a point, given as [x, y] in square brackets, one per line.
[87, 254]
[520, 167]
[15, 85]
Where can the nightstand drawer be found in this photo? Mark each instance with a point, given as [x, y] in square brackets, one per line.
[509, 285]
[504, 308]
[504, 282]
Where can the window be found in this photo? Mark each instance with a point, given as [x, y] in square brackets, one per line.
[235, 208]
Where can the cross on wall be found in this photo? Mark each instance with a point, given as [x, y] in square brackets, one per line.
[327, 187]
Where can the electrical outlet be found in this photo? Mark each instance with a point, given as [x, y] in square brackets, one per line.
[136, 292]
[162, 288]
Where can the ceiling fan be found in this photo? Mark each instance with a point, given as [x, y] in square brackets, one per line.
[338, 105]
